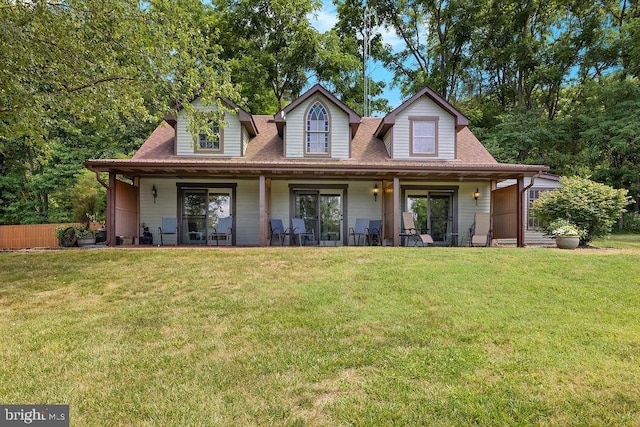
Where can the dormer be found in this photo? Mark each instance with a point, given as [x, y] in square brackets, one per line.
[317, 125]
[423, 128]
[230, 140]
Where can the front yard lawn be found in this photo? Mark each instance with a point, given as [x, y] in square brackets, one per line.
[324, 336]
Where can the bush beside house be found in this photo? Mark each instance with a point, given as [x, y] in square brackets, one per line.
[591, 206]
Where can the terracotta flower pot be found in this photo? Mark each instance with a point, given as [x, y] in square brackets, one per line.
[567, 242]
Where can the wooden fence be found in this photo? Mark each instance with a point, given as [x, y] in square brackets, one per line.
[32, 236]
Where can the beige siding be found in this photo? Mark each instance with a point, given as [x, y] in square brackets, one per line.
[424, 107]
[467, 206]
[245, 140]
[246, 215]
[151, 213]
[388, 142]
[361, 202]
[232, 135]
[340, 137]
[280, 201]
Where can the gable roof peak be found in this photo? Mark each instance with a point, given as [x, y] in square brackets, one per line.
[390, 119]
[280, 116]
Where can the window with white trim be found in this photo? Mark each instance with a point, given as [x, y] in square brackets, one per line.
[210, 141]
[317, 129]
[424, 136]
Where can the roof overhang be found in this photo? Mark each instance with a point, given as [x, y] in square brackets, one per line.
[337, 170]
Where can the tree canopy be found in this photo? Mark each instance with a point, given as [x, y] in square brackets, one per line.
[550, 82]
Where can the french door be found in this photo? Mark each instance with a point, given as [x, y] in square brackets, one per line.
[321, 211]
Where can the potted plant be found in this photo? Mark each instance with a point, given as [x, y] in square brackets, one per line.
[85, 236]
[566, 233]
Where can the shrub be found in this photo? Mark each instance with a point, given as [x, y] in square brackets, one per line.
[589, 205]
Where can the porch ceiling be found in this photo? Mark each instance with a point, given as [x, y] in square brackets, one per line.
[441, 171]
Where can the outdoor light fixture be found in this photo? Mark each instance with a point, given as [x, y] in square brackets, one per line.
[154, 193]
[375, 192]
[476, 195]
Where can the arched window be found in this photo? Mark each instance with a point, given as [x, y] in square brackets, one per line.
[317, 129]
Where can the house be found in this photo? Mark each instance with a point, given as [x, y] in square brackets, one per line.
[318, 160]
[534, 186]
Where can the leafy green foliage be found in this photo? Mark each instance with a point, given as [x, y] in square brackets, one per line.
[270, 46]
[592, 206]
[89, 199]
[631, 222]
[608, 119]
[88, 79]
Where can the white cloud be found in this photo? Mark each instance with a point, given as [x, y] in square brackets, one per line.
[390, 37]
[324, 19]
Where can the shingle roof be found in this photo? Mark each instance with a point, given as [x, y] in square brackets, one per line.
[264, 156]
[159, 145]
[266, 146]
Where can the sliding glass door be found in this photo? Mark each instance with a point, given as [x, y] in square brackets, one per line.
[201, 210]
[321, 211]
[433, 212]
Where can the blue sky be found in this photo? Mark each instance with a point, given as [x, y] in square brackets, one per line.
[326, 18]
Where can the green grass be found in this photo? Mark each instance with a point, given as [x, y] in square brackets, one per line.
[333, 336]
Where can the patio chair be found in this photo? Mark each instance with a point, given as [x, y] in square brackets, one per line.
[223, 230]
[300, 233]
[361, 230]
[169, 226]
[411, 233]
[375, 232]
[278, 230]
[480, 231]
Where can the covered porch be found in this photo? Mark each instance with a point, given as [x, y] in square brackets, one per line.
[142, 192]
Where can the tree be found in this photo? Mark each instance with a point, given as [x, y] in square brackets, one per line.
[591, 206]
[607, 116]
[71, 71]
[271, 46]
[436, 36]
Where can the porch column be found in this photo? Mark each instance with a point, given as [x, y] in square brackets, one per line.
[111, 210]
[396, 211]
[520, 240]
[262, 240]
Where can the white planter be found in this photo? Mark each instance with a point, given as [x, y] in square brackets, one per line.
[85, 241]
[567, 242]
